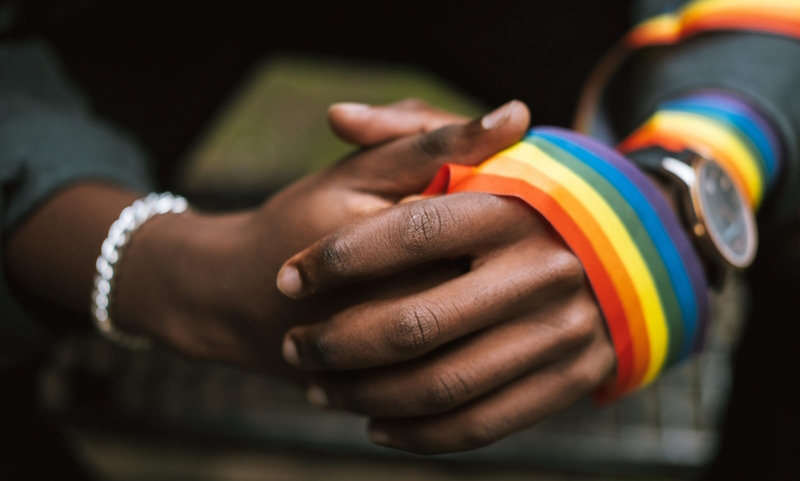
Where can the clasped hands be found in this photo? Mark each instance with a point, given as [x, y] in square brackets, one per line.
[450, 321]
[513, 337]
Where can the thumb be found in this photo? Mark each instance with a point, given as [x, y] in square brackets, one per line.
[365, 125]
[405, 166]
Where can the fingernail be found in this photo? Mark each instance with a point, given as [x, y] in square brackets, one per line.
[497, 117]
[350, 106]
[290, 352]
[317, 396]
[378, 436]
[289, 281]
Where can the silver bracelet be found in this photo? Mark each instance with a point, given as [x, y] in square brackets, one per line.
[119, 234]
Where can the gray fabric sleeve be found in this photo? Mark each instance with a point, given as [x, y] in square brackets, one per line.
[763, 68]
[641, 10]
[48, 140]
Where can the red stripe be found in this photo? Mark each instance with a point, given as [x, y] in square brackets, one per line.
[448, 176]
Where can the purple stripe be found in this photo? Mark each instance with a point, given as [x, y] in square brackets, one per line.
[667, 217]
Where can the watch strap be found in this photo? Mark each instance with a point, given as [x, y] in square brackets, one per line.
[650, 158]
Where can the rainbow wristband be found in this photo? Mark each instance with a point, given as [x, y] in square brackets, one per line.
[645, 274]
[777, 17]
[719, 126]
[780, 17]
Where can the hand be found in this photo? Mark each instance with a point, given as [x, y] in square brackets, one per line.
[465, 362]
[205, 283]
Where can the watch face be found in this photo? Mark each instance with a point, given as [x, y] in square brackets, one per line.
[728, 219]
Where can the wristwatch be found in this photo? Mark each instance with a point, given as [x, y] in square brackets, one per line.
[714, 210]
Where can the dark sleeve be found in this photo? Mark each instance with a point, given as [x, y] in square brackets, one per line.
[763, 68]
[641, 10]
[48, 140]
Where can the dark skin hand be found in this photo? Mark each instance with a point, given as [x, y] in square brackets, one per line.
[444, 355]
[466, 362]
[204, 284]
[516, 337]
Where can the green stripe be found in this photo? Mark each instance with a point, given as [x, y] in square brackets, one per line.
[638, 233]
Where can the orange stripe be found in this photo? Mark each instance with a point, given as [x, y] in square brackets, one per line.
[658, 31]
[745, 20]
[744, 10]
[669, 29]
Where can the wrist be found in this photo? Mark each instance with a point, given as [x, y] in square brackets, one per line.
[52, 255]
[181, 275]
[666, 190]
[718, 125]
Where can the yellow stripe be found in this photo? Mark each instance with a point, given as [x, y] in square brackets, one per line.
[667, 23]
[709, 132]
[705, 7]
[616, 232]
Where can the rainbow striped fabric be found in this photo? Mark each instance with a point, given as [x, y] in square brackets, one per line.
[722, 127]
[645, 274]
[647, 279]
[717, 125]
[779, 17]
[772, 16]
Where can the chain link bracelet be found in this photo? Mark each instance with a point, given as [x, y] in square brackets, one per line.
[131, 218]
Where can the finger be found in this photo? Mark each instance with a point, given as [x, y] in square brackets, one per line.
[511, 408]
[365, 125]
[406, 166]
[406, 235]
[414, 198]
[390, 331]
[472, 368]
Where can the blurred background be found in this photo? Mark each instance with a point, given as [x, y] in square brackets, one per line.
[229, 99]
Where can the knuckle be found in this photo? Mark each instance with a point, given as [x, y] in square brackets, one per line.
[436, 143]
[445, 390]
[578, 327]
[568, 273]
[559, 275]
[422, 226]
[414, 329]
[585, 376]
[336, 256]
[318, 351]
[479, 433]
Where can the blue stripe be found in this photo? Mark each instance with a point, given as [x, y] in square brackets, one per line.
[748, 128]
[679, 278]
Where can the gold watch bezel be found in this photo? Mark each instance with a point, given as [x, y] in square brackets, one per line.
[706, 239]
